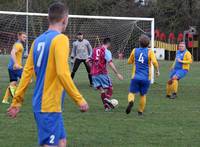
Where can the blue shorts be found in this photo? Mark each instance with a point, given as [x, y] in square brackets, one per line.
[50, 128]
[102, 80]
[140, 86]
[180, 73]
[15, 74]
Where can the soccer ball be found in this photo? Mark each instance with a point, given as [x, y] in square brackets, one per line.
[114, 102]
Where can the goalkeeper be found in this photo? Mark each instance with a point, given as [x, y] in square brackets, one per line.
[81, 51]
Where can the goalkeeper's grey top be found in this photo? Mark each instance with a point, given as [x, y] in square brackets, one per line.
[81, 49]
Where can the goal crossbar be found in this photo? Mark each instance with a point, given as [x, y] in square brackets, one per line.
[78, 16]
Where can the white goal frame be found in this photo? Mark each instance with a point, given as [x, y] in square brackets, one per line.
[94, 17]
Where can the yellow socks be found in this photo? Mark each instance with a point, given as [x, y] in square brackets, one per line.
[131, 97]
[142, 103]
[6, 96]
[12, 90]
[175, 86]
[169, 89]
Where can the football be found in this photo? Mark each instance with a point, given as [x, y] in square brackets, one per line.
[114, 102]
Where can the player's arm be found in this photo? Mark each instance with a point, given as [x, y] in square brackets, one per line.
[16, 48]
[154, 62]
[131, 57]
[108, 57]
[89, 49]
[188, 59]
[73, 52]
[23, 84]
[63, 71]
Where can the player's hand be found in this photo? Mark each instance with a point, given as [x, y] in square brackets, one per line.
[179, 60]
[17, 66]
[12, 111]
[84, 107]
[157, 73]
[120, 77]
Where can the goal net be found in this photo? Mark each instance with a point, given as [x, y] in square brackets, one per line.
[123, 31]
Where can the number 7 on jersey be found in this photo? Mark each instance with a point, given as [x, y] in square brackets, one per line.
[40, 48]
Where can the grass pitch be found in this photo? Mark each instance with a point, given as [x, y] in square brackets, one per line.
[167, 123]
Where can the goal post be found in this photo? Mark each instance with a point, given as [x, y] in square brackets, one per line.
[123, 31]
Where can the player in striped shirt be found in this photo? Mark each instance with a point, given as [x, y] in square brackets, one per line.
[101, 57]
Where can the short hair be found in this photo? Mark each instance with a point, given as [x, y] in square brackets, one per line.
[182, 42]
[79, 33]
[144, 41]
[56, 12]
[106, 40]
[21, 33]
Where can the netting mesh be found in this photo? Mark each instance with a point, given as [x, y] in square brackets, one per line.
[123, 33]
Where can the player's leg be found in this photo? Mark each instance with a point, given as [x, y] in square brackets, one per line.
[169, 84]
[109, 92]
[107, 86]
[12, 86]
[62, 143]
[63, 136]
[142, 104]
[133, 89]
[169, 88]
[101, 83]
[6, 96]
[104, 98]
[88, 71]
[175, 80]
[143, 86]
[174, 87]
[131, 99]
[75, 67]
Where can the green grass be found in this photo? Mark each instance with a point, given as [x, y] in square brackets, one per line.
[167, 123]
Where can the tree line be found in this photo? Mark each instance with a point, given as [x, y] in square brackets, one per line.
[170, 15]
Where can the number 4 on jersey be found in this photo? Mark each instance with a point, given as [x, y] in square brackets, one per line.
[141, 58]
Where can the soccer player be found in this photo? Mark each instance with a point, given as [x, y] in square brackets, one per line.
[15, 66]
[101, 56]
[141, 58]
[48, 60]
[81, 51]
[179, 70]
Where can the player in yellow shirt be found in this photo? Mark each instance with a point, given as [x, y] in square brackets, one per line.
[179, 70]
[142, 59]
[15, 66]
[48, 60]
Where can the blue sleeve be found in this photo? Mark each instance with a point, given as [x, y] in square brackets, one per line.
[108, 55]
